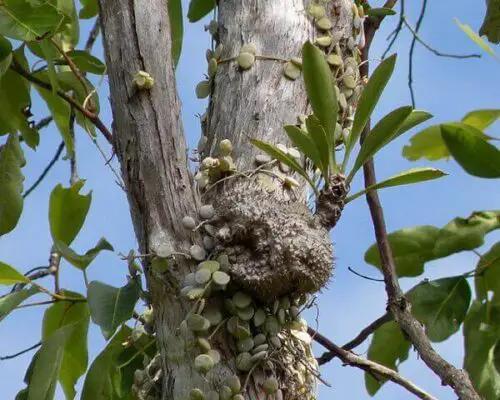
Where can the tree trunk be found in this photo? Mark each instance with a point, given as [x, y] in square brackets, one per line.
[275, 247]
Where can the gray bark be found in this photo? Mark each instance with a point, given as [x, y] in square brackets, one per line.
[151, 147]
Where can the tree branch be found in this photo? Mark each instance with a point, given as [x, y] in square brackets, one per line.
[397, 303]
[11, 356]
[93, 34]
[353, 360]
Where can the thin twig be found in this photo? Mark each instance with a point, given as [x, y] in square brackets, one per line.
[72, 161]
[37, 303]
[91, 116]
[11, 356]
[46, 170]
[364, 276]
[353, 360]
[93, 34]
[396, 31]
[359, 339]
[43, 122]
[398, 305]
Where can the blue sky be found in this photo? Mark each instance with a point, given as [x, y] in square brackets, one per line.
[447, 88]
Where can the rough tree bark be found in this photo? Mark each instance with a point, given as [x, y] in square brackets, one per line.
[151, 147]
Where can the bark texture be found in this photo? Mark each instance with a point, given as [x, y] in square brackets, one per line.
[150, 144]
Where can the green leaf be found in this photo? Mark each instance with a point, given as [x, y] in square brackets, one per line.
[487, 275]
[413, 247]
[481, 336]
[474, 154]
[75, 355]
[176, 28]
[367, 102]
[380, 12]
[98, 382]
[199, 8]
[320, 139]
[84, 260]
[11, 184]
[388, 347]
[89, 9]
[50, 54]
[491, 24]
[5, 55]
[11, 301]
[441, 305]
[476, 39]
[24, 21]
[87, 62]
[67, 211]
[321, 94]
[10, 276]
[303, 141]
[48, 364]
[415, 118]
[282, 157]
[414, 175]
[109, 306]
[386, 130]
[481, 119]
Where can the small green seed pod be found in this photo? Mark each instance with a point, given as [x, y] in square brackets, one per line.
[227, 164]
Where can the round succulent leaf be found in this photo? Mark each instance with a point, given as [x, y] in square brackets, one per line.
[212, 68]
[246, 313]
[207, 211]
[245, 345]
[349, 81]
[203, 363]
[259, 317]
[248, 48]
[334, 60]
[230, 307]
[259, 339]
[316, 11]
[246, 60]
[197, 252]
[297, 61]
[324, 24]
[213, 315]
[188, 222]
[241, 299]
[202, 276]
[203, 344]
[259, 348]
[271, 385]
[257, 357]
[197, 323]
[221, 278]
[195, 293]
[291, 71]
[196, 394]
[234, 383]
[302, 336]
[323, 41]
[272, 326]
[244, 362]
[215, 355]
[203, 89]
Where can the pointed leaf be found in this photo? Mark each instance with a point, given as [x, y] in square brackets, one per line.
[491, 24]
[303, 141]
[476, 39]
[48, 365]
[87, 62]
[5, 55]
[10, 276]
[380, 12]
[109, 306]
[487, 275]
[320, 92]
[441, 305]
[75, 355]
[199, 8]
[481, 119]
[320, 139]
[84, 260]
[89, 9]
[413, 247]
[176, 28]
[67, 211]
[414, 175]
[481, 335]
[282, 157]
[386, 130]
[11, 184]
[415, 118]
[474, 154]
[11, 301]
[388, 347]
[368, 100]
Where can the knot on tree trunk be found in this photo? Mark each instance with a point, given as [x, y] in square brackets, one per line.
[275, 245]
[330, 202]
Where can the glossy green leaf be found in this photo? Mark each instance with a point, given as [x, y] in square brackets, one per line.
[303, 141]
[386, 130]
[491, 24]
[199, 8]
[476, 39]
[441, 305]
[368, 100]
[11, 301]
[84, 260]
[321, 94]
[11, 184]
[176, 28]
[90, 9]
[69, 33]
[10, 276]
[5, 55]
[110, 306]
[67, 211]
[24, 21]
[413, 247]
[320, 139]
[86, 62]
[50, 54]
[380, 12]
[282, 157]
[414, 175]
[48, 364]
[75, 355]
[388, 347]
[481, 335]
[474, 154]
[487, 275]
[481, 119]
[415, 118]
